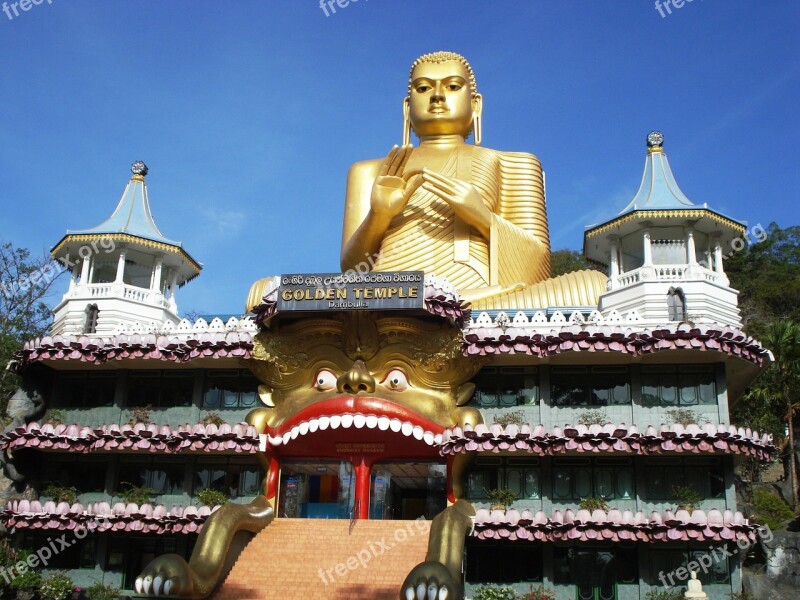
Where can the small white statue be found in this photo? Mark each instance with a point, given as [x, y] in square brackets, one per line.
[695, 589]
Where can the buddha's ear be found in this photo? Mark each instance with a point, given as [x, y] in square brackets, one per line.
[464, 393]
[477, 110]
[407, 121]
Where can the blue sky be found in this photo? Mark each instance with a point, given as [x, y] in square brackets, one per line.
[248, 114]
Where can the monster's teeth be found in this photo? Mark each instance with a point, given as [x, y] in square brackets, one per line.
[437, 439]
[313, 425]
[324, 423]
[428, 437]
[304, 427]
[336, 420]
[407, 429]
[157, 581]
[359, 421]
[287, 436]
[347, 421]
[395, 425]
[295, 432]
[418, 432]
[138, 585]
[372, 421]
[275, 441]
[383, 423]
[167, 586]
[148, 581]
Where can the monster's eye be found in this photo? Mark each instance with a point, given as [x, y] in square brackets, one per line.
[325, 380]
[396, 380]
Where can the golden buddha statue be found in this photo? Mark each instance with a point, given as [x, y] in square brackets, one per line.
[471, 214]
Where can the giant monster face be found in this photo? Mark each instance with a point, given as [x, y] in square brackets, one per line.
[394, 375]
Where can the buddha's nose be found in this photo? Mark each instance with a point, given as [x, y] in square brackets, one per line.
[438, 92]
[357, 379]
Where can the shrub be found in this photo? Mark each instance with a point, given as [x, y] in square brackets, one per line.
[29, 580]
[742, 596]
[686, 497]
[684, 416]
[517, 418]
[137, 495]
[61, 493]
[664, 594]
[102, 591]
[213, 418]
[593, 417]
[57, 587]
[56, 416]
[140, 414]
[211, 497]
[502, 496]
[538, 593]
[592, 504]
[770, 510]
[495, 592]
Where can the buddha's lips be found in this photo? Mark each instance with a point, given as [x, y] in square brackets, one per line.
[358, 412]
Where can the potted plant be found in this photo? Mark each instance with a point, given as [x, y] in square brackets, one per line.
[61, 493]
[211, 497]
[538, 593]
[134, 494]
[102, 591]
[591, 503]
[686, 497]
[495, 592]
[501, 498]
[26, 584]
[56, 587]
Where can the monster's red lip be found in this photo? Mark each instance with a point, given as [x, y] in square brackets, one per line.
[359, 412]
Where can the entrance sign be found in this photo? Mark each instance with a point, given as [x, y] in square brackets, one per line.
[390, 290]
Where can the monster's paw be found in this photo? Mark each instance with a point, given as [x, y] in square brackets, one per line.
[167, 575]
[429, 581]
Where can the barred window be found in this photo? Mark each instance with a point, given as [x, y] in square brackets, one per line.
[501, 387]
[684, 385]
[704, 476]
[520, 475]
[85, 390]
[608, 478]
[590, 386]
[160, 388]
[229, 389]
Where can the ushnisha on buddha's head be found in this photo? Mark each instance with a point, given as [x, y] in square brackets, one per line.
[443, 98]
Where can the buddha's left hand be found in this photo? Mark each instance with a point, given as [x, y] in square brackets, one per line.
[463, 197]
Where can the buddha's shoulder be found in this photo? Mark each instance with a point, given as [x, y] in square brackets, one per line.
[519, 160]
[367, 167]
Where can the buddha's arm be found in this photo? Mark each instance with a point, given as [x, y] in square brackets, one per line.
[362, 230]
[520, 242]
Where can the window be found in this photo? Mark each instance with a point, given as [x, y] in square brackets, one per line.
[233, 477]
[595, 567]
[229, 389]
[520, 475]
[609, 478]
[84, 473]
[90, 322]
[666, 562]
[702, 475]
[686, 385]
[676, 304]
[85, 390]
[163, 475]
[590, 386]
[80, 554]
[502, 562]
[160, 388]
[500, 387]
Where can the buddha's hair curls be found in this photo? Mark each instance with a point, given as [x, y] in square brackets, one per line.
[440, 57]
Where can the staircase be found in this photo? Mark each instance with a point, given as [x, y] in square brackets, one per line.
[304, 559]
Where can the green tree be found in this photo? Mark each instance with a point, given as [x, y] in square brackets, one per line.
[25, 283]
[566, 261]
[767, 275]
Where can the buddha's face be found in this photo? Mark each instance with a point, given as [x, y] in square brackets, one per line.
[441, 101]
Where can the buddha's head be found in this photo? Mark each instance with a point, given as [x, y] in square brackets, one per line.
[443, 98]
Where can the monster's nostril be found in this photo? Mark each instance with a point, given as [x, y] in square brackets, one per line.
[362, 387]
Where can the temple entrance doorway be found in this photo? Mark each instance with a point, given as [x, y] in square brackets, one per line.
[317, 489]
[404, 490]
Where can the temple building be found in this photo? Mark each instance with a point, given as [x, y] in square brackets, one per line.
[376, 435]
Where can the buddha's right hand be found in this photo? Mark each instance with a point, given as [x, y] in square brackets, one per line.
[393, 187]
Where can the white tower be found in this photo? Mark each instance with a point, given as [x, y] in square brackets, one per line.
[665, 253]
[124, 271]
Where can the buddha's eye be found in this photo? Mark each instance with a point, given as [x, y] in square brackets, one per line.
[325, 380]
[396, 380]
[454, 87]
[423, 88]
